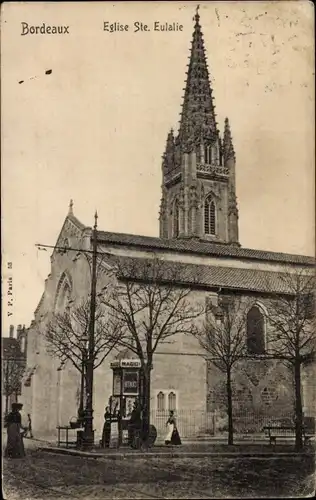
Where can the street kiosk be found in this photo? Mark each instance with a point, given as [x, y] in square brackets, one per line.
[127, 388]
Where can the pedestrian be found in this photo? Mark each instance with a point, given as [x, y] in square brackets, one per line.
[172, 436]
[106, 434]
[134, 426]
[15, 445]
[28, 430]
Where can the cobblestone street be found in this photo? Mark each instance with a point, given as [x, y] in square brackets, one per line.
[43, 475]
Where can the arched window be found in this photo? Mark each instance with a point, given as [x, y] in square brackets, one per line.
[160, 401]
[191, 221]
[209, 217]
[255, 331]
[63, 294]
[207, 155]
[171, 401]
[176, 219]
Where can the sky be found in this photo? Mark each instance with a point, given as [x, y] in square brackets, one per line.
[94, 128]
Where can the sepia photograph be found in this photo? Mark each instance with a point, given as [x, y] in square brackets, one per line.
[158, 250]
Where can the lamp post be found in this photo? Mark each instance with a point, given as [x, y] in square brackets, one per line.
[84, 341]
[88, 437]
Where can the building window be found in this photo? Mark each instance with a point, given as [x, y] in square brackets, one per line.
[171, 401]
[255, 331]
[160, 401]
[207, 155]
[209, 217]
[176, 219]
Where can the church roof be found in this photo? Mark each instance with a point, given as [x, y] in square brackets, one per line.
[198, 275]
[202, 247]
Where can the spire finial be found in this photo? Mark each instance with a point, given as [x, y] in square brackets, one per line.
[95, 220]
[71, 205]
[197, 15]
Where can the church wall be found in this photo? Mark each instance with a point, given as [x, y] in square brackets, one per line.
[309, 389]
[185, 375]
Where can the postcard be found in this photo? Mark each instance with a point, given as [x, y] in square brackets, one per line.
[158, 243]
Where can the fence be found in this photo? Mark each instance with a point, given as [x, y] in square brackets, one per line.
[190, 423]
[198, 423]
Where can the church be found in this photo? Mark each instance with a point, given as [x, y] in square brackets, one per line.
[198, 227]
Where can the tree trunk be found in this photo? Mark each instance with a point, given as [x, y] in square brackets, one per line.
[229, 408]
[298, 407]
[146, 403]
[6, 403]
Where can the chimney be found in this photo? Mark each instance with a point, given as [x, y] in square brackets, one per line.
[11, 331]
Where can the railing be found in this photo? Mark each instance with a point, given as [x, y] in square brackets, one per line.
[191, 423]
[195, 423]
[212, 169]
[173, 174]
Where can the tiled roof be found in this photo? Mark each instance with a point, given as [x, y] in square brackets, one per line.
[211, 276]
[202, 247]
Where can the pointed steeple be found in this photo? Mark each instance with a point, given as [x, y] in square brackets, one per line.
[228, 148]
[198, 112]
[168, 159]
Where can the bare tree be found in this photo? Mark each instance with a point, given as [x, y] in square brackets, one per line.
[67, 336]
[292, 337]
[151, 307]
[222, 336]
[12, 373]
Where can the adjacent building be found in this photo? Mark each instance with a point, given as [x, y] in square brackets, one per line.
[14, 350]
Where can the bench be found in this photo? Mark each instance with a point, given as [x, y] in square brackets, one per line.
[286, 431]
[69, 443]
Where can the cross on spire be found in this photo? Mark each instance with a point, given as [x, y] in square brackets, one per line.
[197, 15]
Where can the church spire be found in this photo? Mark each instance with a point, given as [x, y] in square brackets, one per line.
[198, 112]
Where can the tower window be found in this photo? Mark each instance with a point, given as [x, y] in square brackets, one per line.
[207, 155]
[176, 219]
[209, 217]
[255, 331]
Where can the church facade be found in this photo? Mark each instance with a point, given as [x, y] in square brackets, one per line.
[199, 229]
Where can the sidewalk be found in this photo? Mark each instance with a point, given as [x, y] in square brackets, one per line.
[186, 450]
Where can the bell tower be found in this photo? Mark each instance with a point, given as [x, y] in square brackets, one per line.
[198, 166]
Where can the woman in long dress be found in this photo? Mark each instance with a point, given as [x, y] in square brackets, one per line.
[172, 436]
[106, 434]
[13, 423]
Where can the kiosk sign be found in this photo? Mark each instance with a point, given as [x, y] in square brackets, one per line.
[130, 382]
